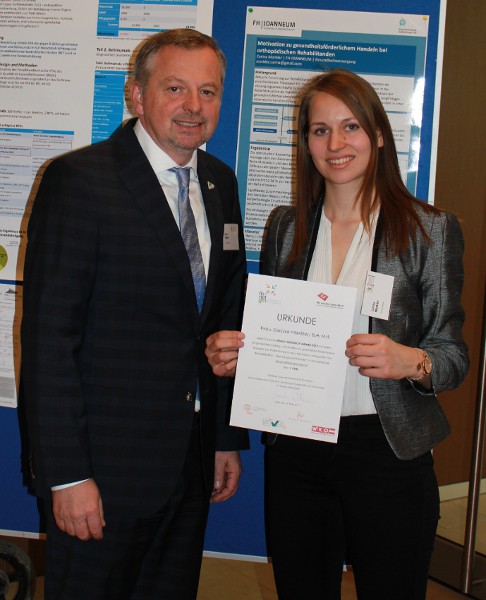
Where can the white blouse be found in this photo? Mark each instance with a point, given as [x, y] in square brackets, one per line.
[357, 395]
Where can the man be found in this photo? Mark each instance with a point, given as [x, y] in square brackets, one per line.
[127, 428]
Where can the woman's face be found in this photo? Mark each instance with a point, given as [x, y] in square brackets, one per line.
[339, 146]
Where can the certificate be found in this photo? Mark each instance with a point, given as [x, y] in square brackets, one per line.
[291, 370]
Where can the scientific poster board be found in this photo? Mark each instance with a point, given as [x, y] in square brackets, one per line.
[238, 526]
[283, 50]
[63, 72]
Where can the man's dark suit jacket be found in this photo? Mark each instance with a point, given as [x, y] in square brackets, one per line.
[113, 344]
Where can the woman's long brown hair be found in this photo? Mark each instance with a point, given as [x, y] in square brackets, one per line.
[382, 183]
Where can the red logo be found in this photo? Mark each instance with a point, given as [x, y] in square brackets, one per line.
[323, 296]
[323, 430]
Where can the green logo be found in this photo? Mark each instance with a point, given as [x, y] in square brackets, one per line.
[3, 257]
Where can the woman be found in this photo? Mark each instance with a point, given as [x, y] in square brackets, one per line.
[372, 498]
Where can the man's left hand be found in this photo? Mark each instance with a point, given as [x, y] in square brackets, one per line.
[227, 472]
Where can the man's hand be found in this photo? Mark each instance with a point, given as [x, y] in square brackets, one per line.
[227, 472]
[78, 510]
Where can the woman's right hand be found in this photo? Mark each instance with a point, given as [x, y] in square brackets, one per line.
[222, 351]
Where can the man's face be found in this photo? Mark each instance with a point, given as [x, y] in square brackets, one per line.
[180, 106]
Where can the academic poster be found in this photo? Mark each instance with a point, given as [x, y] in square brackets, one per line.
[283, 49]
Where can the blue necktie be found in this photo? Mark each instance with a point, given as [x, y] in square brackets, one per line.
[188, 229]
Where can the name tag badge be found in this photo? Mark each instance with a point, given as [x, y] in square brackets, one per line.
[377, 295]
[230, 237]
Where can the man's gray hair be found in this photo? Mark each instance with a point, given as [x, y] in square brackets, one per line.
[189, 39]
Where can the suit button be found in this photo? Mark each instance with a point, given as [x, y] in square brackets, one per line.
[190, 397]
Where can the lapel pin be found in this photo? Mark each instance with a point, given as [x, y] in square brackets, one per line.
[210, 185]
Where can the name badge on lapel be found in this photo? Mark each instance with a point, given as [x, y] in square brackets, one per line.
[230, 237]
[377, 295]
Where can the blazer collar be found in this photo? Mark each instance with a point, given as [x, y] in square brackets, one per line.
[313, 228]
[314, 223]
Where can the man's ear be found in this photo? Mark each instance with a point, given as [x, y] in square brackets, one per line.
[137, 97]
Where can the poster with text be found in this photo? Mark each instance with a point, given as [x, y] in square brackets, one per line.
[283, 49]
[64, 67]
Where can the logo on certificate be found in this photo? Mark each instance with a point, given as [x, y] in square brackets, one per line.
[268, 294]
[323, 430]
[323, 296]
[274, 424]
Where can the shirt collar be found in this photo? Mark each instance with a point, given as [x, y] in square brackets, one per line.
[159, 160]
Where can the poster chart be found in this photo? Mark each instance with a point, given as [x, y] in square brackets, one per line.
[120, 27]
[64, 67]
[283, 49]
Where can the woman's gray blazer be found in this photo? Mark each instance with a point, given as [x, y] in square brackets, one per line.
[426, 312]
